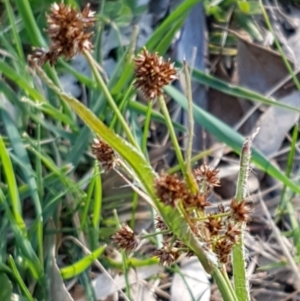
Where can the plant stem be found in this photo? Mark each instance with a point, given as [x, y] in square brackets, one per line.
[189, 179]
[224, 286]
[238, 254]
[190, 117]
[189, 96]
[109, 98]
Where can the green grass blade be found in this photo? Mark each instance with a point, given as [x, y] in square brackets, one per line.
[97, 206]
[19, 279]
[30, 23]
[28, 173]
[20, 81]
[6, 291]
[236, 91]
[81, 265]
[12, 186]
[15, 34]
[180, 13]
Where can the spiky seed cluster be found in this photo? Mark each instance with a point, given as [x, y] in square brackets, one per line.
[104, 154]
[152, 73]
[205, 175]
[197, 200]
[218, 231]
[167, 254]
[69, 33]
[170, 188]
[214, 224]
[233, 232]
[223, 249]
[240, 210]
[126, 239]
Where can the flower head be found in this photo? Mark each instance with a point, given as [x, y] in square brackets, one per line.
[167, 255]
[152, 73]
[126, 239]
[214, 224]
[104, 154]
[239, 210]
[223, 249]
[233, 232]
[197, 200]
[204, 174]
[68, 31]
[170, 188]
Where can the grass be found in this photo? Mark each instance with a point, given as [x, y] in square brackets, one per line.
[50, 184]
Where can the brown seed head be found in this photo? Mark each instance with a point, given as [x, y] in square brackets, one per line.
[152, 73]
[233, 232]
[214, 224]
[240, 211]
[170, 188]
[199, 201]
[167, 255]
[204, 174]
[223, 249]
[104, 154]
[126, 239]
[69, 33]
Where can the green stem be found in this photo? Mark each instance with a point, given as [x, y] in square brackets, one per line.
[109, 98]
[190, 118]
[238, 254]
[155, 233]
[189, 179]
[224, 285]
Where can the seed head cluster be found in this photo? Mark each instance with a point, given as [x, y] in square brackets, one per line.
[126, 239]
[167, 255]
[220, 231]
[69, 33]
[104, 154]
[205, 175]
[239, 210]
[170, 188]
[152, 73]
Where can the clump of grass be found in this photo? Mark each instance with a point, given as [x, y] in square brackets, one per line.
[180, 202]
[47, 167]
